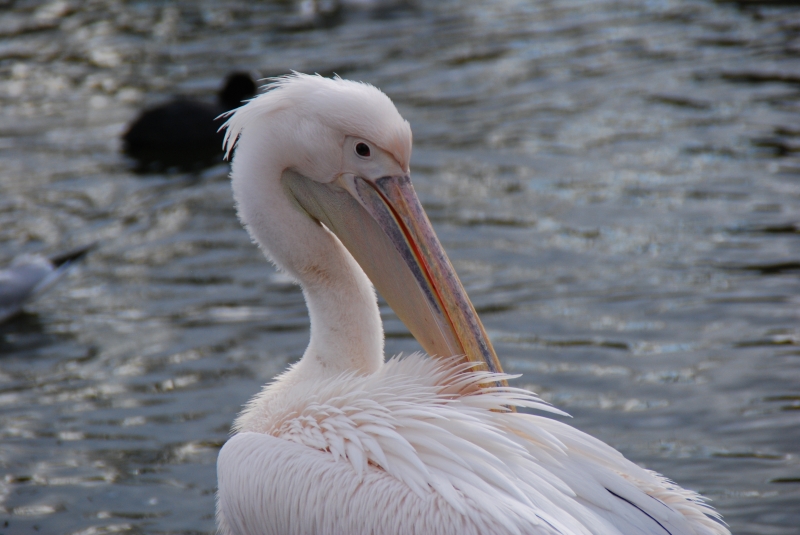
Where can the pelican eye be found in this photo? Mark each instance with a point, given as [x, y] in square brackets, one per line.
[362, 149]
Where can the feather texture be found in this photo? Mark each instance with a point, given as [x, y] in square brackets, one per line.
[404, 450]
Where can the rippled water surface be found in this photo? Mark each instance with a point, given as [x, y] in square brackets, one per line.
[617, 183]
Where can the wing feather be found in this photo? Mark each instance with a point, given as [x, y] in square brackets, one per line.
[404, 451]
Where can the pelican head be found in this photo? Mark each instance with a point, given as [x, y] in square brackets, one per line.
[321, 179]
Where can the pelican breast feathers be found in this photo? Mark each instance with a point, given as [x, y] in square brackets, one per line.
[430, 426]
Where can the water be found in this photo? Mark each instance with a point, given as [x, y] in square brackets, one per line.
[617, 183]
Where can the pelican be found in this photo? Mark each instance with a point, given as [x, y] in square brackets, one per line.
[346, 442]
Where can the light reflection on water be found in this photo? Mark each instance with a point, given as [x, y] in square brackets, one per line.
[616, 183]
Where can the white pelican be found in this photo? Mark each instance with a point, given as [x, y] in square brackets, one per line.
[345, 443]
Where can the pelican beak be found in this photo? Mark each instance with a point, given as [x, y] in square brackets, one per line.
[383, 225]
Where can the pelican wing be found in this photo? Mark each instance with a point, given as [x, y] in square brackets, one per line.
[403, 451]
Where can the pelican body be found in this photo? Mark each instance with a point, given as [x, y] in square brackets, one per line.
[344, 442]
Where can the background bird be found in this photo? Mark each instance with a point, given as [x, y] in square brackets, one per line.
[29, 275]
[344, 442]
[184, 133]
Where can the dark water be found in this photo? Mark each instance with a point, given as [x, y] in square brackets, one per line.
[617, 182]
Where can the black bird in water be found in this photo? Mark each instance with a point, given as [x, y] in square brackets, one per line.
[31, 274]
[183, 133]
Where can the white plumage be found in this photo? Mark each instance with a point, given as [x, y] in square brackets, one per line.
[343, 443]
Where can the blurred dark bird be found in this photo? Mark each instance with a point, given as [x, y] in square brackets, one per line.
[183, 133]
[31, 274]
